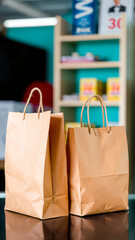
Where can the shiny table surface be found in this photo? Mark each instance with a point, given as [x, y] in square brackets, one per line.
[112, 226]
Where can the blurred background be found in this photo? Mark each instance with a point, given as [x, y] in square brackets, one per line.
[71, 50]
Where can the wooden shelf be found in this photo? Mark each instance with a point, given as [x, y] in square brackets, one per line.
[63, 72]
[1, 164]
[106, 64]
[93, 37]
[93, 103]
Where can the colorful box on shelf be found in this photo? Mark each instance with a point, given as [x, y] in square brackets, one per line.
[84, 17]
[68, 59]
[113, 89]
[89, 87]
[76, 58]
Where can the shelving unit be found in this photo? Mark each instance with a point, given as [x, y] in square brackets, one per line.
[80, 103]
[91, 65]
[65, 73]
[93, 37]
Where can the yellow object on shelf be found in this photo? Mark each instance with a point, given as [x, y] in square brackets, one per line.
[113, 89]
[88, 87]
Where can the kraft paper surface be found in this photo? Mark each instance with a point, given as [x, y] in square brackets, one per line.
[98, 170]
[35, 165]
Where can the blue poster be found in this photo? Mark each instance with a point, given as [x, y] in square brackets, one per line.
[84, 16]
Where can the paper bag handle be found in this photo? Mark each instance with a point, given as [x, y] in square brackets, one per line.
[102, 105]
[102, 111]
[40, 102]
[98, 97]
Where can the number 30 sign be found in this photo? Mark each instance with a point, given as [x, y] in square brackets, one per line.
[110, 15]
[114, 23]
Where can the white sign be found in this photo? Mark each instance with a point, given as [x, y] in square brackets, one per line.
[110, 15]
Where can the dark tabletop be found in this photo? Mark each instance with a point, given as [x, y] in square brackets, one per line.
[112, 226]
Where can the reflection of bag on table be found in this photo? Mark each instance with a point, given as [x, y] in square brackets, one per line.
[97, 168]
[111, 226]
[35, 166]
[20, 227]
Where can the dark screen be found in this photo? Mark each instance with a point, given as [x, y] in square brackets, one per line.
[20, 65]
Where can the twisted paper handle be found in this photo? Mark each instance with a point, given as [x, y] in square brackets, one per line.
[40, 102]
[102, 105]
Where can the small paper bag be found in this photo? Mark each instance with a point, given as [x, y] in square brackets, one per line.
[97, 167]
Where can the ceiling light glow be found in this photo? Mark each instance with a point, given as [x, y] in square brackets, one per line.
[30, 22]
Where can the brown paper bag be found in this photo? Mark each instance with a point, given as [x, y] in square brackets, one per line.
[97, 168]
[20, 227]
[109, 226]
[35, 164]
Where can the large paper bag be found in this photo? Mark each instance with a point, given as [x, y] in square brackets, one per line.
[97, 167]
[35, 164]
[21, 227]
